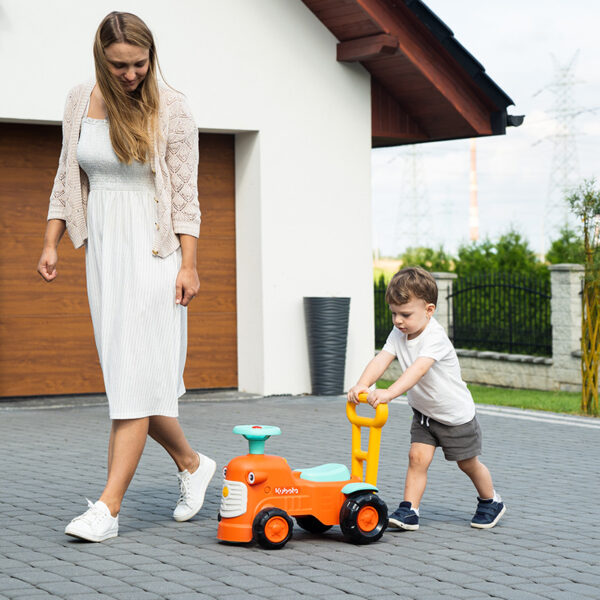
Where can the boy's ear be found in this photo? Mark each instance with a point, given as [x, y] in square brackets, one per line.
[430, 308]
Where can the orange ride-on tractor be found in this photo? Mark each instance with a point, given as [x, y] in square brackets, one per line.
[261, 492]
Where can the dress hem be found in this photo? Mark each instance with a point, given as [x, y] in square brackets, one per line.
[144, 415]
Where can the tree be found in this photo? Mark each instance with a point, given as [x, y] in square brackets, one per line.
[428, 258]
[585, 204]
[511, 253]
[568, 248]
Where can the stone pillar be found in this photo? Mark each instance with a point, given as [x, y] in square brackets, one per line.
[443, 311]
[566, 284]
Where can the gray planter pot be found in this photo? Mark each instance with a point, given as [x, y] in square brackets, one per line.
[327, 332]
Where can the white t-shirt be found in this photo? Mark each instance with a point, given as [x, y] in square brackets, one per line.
[441, 393]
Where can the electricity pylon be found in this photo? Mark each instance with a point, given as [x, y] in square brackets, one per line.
[473, 203]
[413, 224]
[564, 171]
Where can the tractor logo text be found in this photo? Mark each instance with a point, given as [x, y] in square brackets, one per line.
[285, 491]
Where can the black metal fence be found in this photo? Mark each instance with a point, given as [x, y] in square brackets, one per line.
[504, 312]
[383, 316]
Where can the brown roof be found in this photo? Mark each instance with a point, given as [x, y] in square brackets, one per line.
[424, 85]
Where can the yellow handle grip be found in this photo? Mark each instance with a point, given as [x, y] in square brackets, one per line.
[378, 421]
[371, 456]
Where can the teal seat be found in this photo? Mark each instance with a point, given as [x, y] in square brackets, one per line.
[328, 472]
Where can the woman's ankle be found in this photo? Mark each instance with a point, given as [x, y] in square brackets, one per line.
[113, 506]
[191, 463]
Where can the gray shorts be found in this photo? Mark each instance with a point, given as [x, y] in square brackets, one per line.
[459, 442]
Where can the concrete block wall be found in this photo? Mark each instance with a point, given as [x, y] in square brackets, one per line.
[566, 309]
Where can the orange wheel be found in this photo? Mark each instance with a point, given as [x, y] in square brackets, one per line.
[367, 518]
[363, 517]
[272, 528]
[276, 529]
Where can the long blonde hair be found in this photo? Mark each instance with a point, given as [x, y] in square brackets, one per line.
[133, 117]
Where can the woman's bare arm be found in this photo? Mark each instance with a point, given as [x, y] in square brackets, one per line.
[188, 283]
[49, 258]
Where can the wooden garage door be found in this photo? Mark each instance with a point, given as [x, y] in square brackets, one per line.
[46, 337]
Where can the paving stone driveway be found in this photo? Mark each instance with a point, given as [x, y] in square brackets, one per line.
[546, 546]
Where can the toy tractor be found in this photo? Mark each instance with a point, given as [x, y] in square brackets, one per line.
[261, 492]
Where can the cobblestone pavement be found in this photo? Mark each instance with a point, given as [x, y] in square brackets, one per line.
[546, 546]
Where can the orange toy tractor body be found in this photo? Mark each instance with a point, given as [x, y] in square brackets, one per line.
[261, 492]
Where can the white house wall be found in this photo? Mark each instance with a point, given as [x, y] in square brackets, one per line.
[265, 69]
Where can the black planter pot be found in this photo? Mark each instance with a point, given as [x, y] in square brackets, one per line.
[327, 331]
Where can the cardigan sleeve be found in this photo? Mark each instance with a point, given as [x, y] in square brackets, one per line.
[182, 162]
[58, 194]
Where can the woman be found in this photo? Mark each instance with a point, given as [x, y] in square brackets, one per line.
[126, 187]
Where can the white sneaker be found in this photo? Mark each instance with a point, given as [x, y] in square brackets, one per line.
[96, 524]
[192, 487]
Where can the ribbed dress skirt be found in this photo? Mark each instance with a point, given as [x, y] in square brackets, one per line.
[140, 333]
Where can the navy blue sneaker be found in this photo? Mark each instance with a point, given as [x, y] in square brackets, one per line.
[488, 513]
[404, 517]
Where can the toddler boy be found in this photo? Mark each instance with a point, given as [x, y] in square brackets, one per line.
[444, 412]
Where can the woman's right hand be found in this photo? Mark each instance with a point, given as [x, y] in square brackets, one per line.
[47, 264]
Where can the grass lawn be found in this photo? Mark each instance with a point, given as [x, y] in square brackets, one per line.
[561, 402]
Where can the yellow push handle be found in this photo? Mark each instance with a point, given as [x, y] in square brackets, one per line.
[371, 456]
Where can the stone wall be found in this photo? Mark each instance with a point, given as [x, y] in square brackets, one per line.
[561, 372]
[507, 370]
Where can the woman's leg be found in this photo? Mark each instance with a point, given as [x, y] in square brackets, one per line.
[168, 433]
[195, 471]
[419, 459]
[125, 447]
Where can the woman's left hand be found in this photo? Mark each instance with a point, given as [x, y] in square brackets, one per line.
[187, 285]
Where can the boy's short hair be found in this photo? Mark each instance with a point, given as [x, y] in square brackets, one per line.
[411, 282]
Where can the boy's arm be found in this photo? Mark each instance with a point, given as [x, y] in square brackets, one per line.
[373, 371]
[407, 380]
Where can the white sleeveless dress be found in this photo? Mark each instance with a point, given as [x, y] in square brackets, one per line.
[140, 333]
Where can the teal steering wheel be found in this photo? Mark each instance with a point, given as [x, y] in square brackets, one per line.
[257, 435]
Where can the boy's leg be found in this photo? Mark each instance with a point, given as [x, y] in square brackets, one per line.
[490, 507]
[480, 476]
[406, 516]
[419, 459]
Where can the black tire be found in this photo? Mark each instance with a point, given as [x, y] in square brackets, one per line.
[269, 521]
[354, 509]
[312, 524]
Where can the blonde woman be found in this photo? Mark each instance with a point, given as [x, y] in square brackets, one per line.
[126, 188]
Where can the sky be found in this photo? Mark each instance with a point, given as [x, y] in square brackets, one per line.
[520, 45]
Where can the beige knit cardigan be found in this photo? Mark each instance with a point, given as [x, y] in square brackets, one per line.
[174, 165]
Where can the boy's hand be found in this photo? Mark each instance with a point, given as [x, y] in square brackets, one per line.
[377, 397]
[355, 391]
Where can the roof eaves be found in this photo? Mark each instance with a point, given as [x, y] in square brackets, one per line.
[463, 57]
